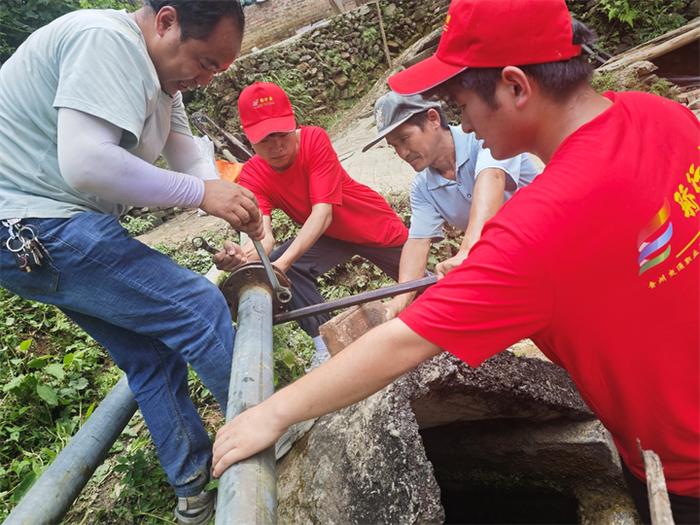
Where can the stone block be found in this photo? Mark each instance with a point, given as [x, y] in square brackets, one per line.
[363, 464]
[349, 325]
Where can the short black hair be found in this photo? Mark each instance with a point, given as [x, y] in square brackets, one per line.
[419, 119]
[198, 18]
[557, 79]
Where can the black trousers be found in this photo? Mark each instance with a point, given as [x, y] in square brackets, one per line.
[685, 509]
[325, 254]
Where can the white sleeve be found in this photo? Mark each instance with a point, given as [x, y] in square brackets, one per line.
[191, 155]
[91, 160]
[510, 166]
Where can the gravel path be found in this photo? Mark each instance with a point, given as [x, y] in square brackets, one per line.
[379, 167]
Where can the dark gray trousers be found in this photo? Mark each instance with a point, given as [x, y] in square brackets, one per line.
[325, 254]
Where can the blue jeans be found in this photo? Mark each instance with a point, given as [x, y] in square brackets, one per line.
[151, 315]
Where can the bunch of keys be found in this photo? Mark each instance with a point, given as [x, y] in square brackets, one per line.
[27, 248]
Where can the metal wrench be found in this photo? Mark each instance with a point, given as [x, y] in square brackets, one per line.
[200, 243]
[284, 294]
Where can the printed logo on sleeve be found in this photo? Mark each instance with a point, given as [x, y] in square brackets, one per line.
[654, 241]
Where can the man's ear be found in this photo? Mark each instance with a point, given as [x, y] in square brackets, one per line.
[434, 117]
[166, 20]
[518, 85]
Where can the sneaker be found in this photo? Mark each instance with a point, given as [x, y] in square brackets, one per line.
[196, 510]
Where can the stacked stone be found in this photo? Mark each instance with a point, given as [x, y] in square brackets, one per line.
[327, 68]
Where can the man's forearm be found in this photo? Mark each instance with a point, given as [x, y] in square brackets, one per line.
[378, 357]
[310, 232]
[91, 161]
[414, 261]
[488, 199]
[268, 241]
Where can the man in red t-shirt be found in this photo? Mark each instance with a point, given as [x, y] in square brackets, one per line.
[597, 260]
[297, 171]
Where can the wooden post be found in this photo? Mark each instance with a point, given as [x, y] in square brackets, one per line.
[381, 30]
[659, 504]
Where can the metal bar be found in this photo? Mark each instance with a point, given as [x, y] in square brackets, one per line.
[53, 493]
[248, 489]
[365, 297]
[284, 295]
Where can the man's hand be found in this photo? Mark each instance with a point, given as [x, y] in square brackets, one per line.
[250, 253]
[268, 241]
[231, 256]
[247, 434]
[235, 204]
[445, 266]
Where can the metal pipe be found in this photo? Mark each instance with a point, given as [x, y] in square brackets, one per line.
[53, 493]
[283, 294]
[365, 297]
[248, 489]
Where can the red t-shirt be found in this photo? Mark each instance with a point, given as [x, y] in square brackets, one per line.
[360, 214]
[597, 261]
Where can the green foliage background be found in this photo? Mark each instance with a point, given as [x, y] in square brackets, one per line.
[621, 24]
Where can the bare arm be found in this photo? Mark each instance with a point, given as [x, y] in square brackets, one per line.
[317, 223]
[414, 260]
[488, 199]
[363, 368]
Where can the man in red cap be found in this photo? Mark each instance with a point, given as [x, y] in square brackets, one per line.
[596, 260]
[298, 171]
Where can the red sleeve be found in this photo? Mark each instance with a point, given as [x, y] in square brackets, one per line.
[253, 180]
[325, 171]
[497, 297]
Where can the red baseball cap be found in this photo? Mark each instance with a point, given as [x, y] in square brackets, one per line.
[493, 33]
[264, 108]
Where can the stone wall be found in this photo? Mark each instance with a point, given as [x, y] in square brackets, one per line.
[328, 68]
[275, 20]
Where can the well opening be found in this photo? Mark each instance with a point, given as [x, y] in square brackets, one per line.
[479, 483]
[482, 503]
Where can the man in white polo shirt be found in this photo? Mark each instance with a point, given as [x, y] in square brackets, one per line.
[458, 181]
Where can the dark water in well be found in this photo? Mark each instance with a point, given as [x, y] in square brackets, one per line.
[482, 484]
[522, 505]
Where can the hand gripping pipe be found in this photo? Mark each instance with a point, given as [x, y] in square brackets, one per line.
[53, 493]
[248, 489]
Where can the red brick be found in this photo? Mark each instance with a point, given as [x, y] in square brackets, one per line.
[349, 325]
